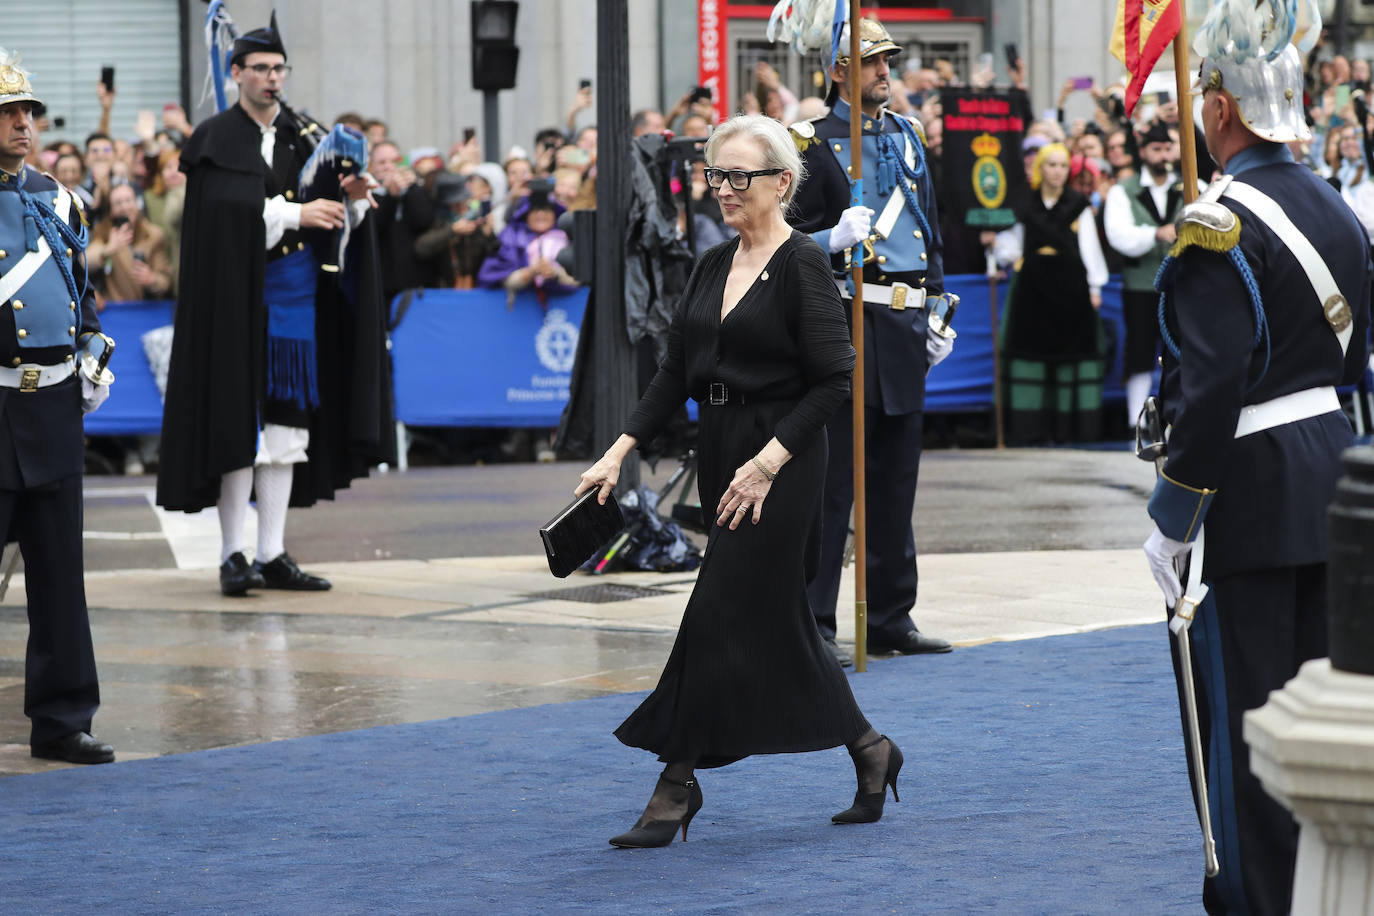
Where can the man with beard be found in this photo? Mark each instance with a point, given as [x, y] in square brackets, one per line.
[277, 383]
[1139, 219]
[897, 229]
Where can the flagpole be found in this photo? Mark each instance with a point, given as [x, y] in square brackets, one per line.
[856, 165]
[1187, 132]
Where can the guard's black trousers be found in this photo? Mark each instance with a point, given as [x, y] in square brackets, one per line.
[61, 693]
[892, 463]
[1253, 632]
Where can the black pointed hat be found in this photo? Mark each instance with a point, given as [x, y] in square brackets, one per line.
[1158, 133]
[266, 40]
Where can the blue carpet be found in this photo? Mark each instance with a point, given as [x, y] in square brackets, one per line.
[1044, 776]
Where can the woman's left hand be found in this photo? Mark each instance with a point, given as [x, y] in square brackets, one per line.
[743, 497]
[1096, 300]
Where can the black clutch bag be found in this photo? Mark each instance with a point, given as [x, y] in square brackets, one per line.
[573, 535]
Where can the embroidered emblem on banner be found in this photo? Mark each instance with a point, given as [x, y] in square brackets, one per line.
[556, 342]
[989, 178]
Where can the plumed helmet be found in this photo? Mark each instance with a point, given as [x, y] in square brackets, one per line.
[15, 85]
[873, 39]
[1249, 51]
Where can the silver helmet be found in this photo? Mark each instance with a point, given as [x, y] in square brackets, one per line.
[1254, 51]
[1268, 93]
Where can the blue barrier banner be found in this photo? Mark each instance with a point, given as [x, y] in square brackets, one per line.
[963, 382]
[465, 358]
[134, 406]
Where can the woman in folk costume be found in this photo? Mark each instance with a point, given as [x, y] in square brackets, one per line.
[1051, 336]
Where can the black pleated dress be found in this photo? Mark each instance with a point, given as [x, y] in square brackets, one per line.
[749, 672]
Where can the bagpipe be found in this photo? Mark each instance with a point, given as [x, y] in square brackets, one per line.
[334, 155]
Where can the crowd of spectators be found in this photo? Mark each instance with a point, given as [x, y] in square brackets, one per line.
[447, 218]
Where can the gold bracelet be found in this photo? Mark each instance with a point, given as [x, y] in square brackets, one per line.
[771, 475]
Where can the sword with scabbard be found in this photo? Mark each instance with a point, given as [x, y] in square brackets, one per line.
[939, 323]
[1150, 446]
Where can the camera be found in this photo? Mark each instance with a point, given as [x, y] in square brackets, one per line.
[119, 222]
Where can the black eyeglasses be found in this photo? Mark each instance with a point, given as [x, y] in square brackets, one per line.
[274, 69]
[739, 179]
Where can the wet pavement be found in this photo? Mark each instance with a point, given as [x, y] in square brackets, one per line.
[442, 604]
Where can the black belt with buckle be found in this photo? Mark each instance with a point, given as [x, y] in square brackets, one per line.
[718, 394]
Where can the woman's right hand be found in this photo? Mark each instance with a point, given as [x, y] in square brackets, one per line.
[603, 474]
[606, 472]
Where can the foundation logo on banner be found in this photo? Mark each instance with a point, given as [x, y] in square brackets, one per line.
[556, 342]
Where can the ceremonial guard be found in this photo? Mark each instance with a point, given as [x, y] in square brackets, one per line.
[278, 381]
[1266, 298]
[1139, 219]
[52, 371]
[897, 229]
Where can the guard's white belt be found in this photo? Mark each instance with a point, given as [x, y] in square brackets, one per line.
[1287, 409]
[895, 296]
[29, 376]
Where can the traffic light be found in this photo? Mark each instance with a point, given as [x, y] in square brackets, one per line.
[494, 54]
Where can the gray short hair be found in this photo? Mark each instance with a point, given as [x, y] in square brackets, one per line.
[775, 141]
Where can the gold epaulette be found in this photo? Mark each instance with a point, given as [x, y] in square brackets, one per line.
[804, 135]
[80, 209]
[916, 123]
[1208, 225]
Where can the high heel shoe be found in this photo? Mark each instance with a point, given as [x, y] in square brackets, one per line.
[868, 806]
[649, 834]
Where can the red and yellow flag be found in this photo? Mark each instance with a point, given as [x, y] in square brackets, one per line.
[1143, 30]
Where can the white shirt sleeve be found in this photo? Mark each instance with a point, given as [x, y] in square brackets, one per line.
[1123, 233]
[279, 215]
[1090, 250]
[1008, 245]
[357, 211]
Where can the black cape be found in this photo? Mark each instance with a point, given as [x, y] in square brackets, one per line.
[216, 383]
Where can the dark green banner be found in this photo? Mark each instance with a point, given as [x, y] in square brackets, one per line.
[982, 154]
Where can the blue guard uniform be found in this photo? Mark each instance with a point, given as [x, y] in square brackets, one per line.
[1265, 308]
[48, 326]
[902, 267]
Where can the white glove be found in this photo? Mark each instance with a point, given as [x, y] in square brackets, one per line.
[854, 226]
[92, 395]
[1161, 552]
[938, 346]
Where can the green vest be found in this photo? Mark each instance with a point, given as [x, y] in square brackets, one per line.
[1138, 274]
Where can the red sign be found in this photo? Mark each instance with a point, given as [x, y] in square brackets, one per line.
[712, 69]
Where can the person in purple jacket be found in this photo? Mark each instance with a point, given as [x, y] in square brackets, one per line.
[528, 246]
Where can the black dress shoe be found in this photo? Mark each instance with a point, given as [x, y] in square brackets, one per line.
[913, 642]
[841, 656]
[237, 576]
[284, 573]
[78, 747]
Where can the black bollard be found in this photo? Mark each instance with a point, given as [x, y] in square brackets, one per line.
[1350, 570]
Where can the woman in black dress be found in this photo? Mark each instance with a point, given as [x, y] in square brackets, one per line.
[761, 343]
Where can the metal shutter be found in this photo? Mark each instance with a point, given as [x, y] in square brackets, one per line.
[64, 43]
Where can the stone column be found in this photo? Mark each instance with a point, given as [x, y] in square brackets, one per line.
[1312, 744]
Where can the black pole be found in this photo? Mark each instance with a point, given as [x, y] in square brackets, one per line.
[613, 365]
[1342, 27]
[491, 127]
[1350, 569]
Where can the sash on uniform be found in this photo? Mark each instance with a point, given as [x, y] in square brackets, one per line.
[289, 291]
